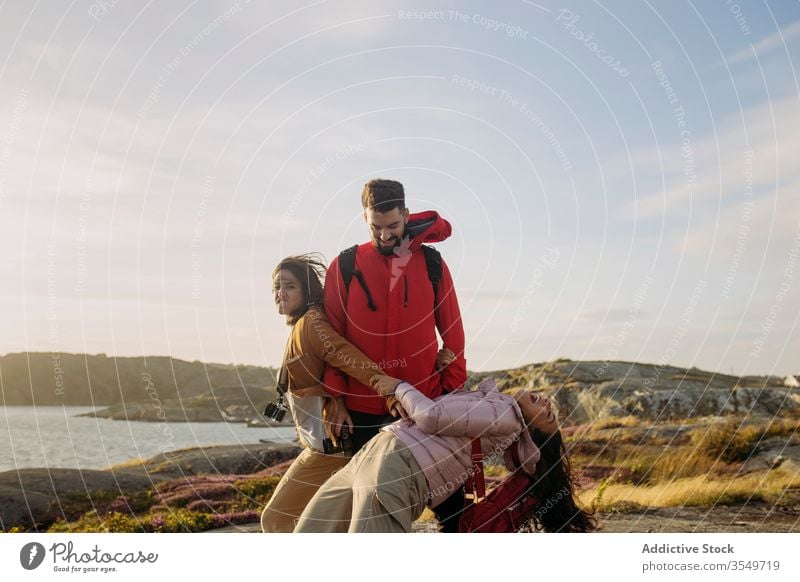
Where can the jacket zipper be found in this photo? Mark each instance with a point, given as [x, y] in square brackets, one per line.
[405, 291]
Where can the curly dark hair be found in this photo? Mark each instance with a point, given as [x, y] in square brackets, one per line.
[309, 269]
[553, 488]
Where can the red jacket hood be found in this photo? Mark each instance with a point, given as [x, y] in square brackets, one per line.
[427, 227]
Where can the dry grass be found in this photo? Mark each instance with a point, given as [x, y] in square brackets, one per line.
[428, 516]
[590, 430]
[782, 427]
[698, 491]
[669, 464]
[130, 463]
[701, 468]
[734, 441]
[616, 422]
[495, 470]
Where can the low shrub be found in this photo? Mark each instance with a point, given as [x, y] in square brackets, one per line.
[183, 505]
[180, 521]
[257, 487]
[732, 441]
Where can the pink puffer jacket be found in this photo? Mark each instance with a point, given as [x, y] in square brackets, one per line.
[439, 433]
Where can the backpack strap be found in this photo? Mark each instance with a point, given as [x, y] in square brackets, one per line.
[433, 262]
[347, 266]
[478, 479]
[282, 386]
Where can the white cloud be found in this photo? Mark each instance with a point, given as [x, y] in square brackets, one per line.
[772, 133]
[765, 45]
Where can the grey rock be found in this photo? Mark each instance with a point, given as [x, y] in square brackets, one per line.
[224, 459]
[228, 404]
[586, 391]
[774, 453]
[32, 498]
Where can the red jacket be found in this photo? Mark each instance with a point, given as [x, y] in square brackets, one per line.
[400, 335]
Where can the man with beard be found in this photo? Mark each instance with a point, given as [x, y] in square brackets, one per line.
[388, 297]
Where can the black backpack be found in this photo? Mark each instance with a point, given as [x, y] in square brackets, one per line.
[347, 266]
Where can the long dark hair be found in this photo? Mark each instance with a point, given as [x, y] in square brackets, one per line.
[553, 488]
[309, 269]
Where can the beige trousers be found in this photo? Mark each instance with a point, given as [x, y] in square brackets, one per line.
[381, 490]
[298, 485]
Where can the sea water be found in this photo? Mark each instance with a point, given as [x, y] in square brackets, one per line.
[55, 437]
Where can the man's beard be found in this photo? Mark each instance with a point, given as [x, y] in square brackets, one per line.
[388, 250]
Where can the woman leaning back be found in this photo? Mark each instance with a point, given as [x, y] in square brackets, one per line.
[297, 284]
[421, 459]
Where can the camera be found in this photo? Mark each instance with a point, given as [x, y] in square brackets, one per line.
[345, 444]
[276, 411]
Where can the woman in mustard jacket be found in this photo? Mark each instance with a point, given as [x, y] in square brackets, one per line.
[297, 284]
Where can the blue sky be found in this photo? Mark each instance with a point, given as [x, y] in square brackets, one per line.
[621, 178]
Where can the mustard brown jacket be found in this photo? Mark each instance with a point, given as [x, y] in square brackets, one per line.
[313, 344]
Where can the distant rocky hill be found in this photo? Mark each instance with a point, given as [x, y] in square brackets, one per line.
[98, 380]
[156, 387]
[590, 390]
[226, 404]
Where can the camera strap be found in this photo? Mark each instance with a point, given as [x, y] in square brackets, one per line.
[283, 375]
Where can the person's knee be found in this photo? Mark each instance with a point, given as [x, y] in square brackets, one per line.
[273, 521]
[320, 522]
[268, 521]
[266, 525]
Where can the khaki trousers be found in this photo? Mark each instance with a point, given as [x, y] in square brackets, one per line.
[381, 490]
[296, 488]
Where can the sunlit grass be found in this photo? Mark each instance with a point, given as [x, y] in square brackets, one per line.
[698, 491]
[700, 467]
[129, 464]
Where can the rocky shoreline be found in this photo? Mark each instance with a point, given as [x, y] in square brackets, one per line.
[32, 499]
[231, 404]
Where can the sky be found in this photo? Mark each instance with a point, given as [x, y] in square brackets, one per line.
[621, 178]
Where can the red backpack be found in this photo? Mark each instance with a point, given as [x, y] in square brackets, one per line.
[506, 509]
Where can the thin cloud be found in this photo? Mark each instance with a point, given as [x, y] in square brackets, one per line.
[765, 45]
[720, 162]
